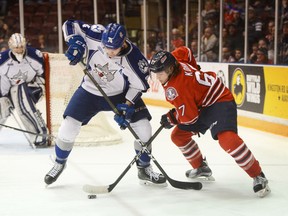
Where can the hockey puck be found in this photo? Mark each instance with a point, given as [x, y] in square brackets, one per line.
[92, 196]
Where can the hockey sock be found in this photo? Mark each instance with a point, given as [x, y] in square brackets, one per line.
[144, 160]
[235, 146]
[188, 146]
[61, 155]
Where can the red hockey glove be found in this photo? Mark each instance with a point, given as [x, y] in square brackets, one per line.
[169, 120]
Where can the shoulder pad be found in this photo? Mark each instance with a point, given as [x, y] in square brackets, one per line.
[34, 54]
[97, 28]
[4, 56]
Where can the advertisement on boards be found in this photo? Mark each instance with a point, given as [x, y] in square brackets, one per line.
[247, 85]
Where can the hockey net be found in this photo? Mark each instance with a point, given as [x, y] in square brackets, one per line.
[62, 80]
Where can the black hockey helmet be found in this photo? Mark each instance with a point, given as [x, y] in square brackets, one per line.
[161, 60]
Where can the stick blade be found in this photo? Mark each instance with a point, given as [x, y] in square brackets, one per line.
[93, 189]
[186, 185]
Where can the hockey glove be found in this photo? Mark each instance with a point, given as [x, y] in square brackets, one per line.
[76, 49]
[169, 120]
[125, 116]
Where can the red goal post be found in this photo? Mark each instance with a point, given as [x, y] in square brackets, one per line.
[62, 80]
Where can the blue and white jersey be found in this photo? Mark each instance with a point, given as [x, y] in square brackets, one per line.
[13, 72]
[128, 72]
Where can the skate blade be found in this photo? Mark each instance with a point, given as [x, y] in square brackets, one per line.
[149, 183]
[264, 192]
[202, 179]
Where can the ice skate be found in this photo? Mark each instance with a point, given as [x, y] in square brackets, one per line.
[54, 173]
[148, 177]
[203, 173]
[260, 185]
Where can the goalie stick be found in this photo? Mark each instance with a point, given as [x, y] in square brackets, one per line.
[173, 183]
[25, 134]
[29, 132]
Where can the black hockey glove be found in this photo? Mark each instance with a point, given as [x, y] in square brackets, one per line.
[76, 49]
[125, 116]
[169, 120]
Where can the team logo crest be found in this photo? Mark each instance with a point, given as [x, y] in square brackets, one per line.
[121, 35]
[163, 59]
[110, 40]
[143, 66]
[104, 73]
[238, 86]
[171, 93]
[20, 77]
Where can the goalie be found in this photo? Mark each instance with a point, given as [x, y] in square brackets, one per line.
[22, 85]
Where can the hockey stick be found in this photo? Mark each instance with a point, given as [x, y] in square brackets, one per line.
[173, 183]
[29, 132]
[93, 189]
[26, 136]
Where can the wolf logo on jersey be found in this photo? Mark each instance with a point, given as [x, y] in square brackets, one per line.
[19, 78]
[104, 73]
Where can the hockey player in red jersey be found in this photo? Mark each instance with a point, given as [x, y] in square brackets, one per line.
[202, 102]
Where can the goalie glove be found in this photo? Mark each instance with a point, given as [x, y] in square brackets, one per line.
[76, 49]
[125, 116]
[169, 120]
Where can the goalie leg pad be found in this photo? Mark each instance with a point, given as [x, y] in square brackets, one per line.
[5, 106]
[5, 109]
[2, 121]
[29, 115]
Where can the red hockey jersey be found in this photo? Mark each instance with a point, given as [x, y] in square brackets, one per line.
[191, 90]
[184, 54]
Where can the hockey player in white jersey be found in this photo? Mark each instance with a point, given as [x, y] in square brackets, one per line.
[22, 85]
[122, 72]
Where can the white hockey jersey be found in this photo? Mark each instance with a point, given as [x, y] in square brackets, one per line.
[128, 72]
[13, 72]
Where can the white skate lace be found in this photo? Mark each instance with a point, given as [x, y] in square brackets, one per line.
[153, 175]
[55, 170]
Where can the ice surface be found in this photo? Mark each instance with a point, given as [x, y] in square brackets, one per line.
[23, 191]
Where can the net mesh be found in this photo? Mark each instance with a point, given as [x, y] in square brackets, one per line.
[63, 80]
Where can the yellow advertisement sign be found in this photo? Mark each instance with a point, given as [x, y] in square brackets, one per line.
[276, 98]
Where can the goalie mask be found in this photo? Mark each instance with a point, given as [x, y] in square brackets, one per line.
[17, 45]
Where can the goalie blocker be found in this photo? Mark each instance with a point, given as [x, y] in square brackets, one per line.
[24, 97]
